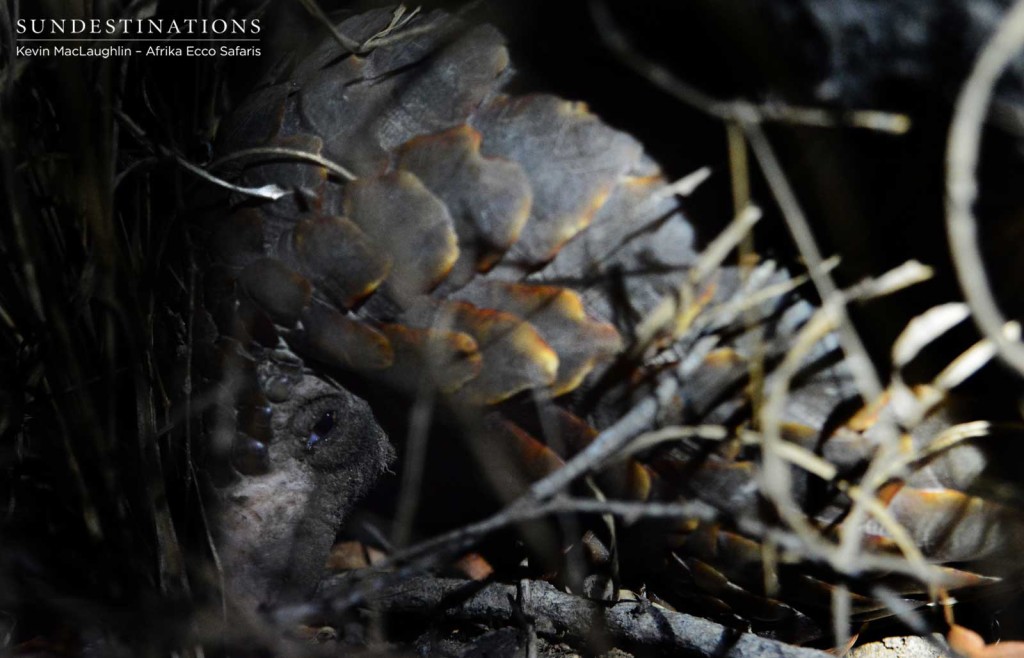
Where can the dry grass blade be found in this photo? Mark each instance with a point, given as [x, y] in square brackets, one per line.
[685, 186]
[925, 329]
[857, 358]
[912, 405]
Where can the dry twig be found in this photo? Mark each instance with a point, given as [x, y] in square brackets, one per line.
[961, 185]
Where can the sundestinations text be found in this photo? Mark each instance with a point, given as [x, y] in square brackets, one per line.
[55, 27]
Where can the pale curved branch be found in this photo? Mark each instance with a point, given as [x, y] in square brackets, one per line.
[962, 153]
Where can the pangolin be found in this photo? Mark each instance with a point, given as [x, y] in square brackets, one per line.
[501, 255]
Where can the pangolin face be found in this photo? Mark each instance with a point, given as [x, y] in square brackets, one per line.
[294, 485]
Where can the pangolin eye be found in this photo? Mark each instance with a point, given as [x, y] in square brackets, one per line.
[322, 428]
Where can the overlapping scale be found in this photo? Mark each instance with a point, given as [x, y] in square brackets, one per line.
[559, 317]
[633, 253]
[446, 360]
[345, 264]
[489, 198]
[572, 160]
[343, 342]
[951, 526]
[364, 107]
[336, 106]
[515, 355]
[410, 225]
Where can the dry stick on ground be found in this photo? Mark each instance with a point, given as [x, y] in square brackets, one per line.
[560, 616]
[413, 560]
[961, 185]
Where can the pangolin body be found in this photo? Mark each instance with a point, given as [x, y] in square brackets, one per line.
[441, 236]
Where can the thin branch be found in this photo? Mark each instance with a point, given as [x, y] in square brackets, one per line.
[676, 311]
[275, 152]
[269, 192]
[607, 443]
[962, 153]
[868, 382]
[565, 617]
[776, 477]
[736, 110]
[349, 44]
